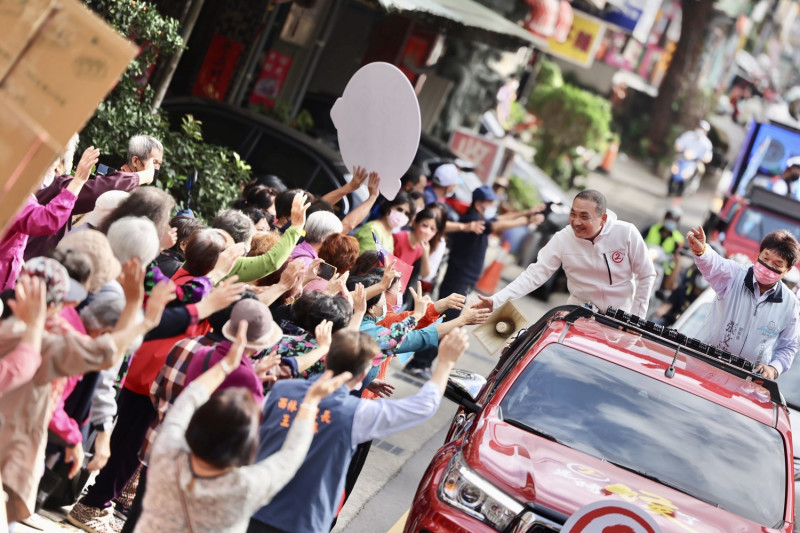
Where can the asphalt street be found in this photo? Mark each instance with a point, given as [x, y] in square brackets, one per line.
[389, 480]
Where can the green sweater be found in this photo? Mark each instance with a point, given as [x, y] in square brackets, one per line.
[253, 268]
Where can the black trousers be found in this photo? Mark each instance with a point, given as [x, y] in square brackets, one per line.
[135, 414]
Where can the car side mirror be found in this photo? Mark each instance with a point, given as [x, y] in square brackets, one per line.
[463, 387]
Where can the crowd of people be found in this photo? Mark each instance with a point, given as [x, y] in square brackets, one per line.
[228, 375]
[231, 376]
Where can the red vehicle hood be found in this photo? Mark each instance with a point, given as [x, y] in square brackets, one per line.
[534, 469]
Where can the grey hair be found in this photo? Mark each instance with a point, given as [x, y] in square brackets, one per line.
[102, 312]
[237, 224]
[320, 224]
[142, 145]
[594, 196]
[134, 237]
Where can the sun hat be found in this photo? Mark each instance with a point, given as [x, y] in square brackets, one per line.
[262, 331]
[105, 266]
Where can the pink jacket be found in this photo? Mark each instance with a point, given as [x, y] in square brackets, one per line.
[34, 220]
[61, 423]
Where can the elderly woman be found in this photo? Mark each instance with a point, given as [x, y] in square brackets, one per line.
[319, 226]
[24, 411]
[241, 228]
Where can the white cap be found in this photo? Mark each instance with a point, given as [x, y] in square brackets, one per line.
[793, 162]
[446, 175]
[105, 204]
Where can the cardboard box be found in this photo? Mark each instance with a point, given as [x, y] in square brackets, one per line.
[20, 20]
[26, 152]
[68, 64]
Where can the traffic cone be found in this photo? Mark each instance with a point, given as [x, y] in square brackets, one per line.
[491, 276]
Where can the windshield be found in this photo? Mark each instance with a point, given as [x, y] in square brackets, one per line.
[689, 443]
[755, 225]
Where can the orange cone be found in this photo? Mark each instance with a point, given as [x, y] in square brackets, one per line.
[491, 276]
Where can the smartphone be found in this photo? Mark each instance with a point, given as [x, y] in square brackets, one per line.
[103, 170]
[326, 271]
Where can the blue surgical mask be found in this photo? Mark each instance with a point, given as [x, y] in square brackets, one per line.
[670, 225]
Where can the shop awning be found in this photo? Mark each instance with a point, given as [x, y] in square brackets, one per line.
[465, 17]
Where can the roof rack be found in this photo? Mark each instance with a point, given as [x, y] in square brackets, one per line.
[721, 359]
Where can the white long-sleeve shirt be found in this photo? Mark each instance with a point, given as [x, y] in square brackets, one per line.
[614, 270]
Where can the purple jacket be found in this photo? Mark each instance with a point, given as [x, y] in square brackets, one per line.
[242, 376]
[305, 252]
[92, 189]
[34, 220]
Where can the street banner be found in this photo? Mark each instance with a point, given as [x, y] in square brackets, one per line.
[378, 124]
[584, 38]
[485, 154]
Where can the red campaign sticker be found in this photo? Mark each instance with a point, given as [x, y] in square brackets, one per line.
[617, 257]
[611, 516]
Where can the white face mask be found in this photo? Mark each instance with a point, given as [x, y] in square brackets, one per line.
[490, 212]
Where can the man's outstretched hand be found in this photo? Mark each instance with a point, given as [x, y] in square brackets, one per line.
[484, 303]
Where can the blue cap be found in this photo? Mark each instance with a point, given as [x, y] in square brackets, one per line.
[484, 192]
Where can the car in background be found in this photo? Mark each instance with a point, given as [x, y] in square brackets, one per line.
[691, 322]
[585, 407]
[268, 146]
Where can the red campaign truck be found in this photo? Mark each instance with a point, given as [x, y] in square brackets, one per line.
[749, 211]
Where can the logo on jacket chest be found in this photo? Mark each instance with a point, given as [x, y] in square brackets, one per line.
[617, 257]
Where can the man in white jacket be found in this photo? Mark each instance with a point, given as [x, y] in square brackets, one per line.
[605, 259]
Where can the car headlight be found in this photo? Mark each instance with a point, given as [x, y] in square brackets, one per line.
[462, 488]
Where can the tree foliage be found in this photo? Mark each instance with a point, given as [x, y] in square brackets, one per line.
[126, 112]
[570, 117]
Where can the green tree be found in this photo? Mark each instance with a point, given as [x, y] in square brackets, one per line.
[126, 112]
[570, 117]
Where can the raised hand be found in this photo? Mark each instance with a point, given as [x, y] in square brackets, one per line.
[293, 273]
[373, 184]
[323, 334]
[454, 301]
[233, 358]
[299, 208]
[453, 346]
[169, 238]
[381, 388]
[359, 296]
[389, 275]
[474, 315]
[89, 159]
[223, 295]
[263, 368]
[359, 177]
[421, 300]
[29, 303]
[311, 272]
[132, 281]
[484, 303]
[228, 257]
[697, 240]
[476, 226]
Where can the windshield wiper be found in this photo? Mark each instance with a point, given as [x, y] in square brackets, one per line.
[531, 429]
[652, 477]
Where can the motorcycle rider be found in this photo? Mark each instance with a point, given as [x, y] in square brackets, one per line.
[667, 236]
[693, 147]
